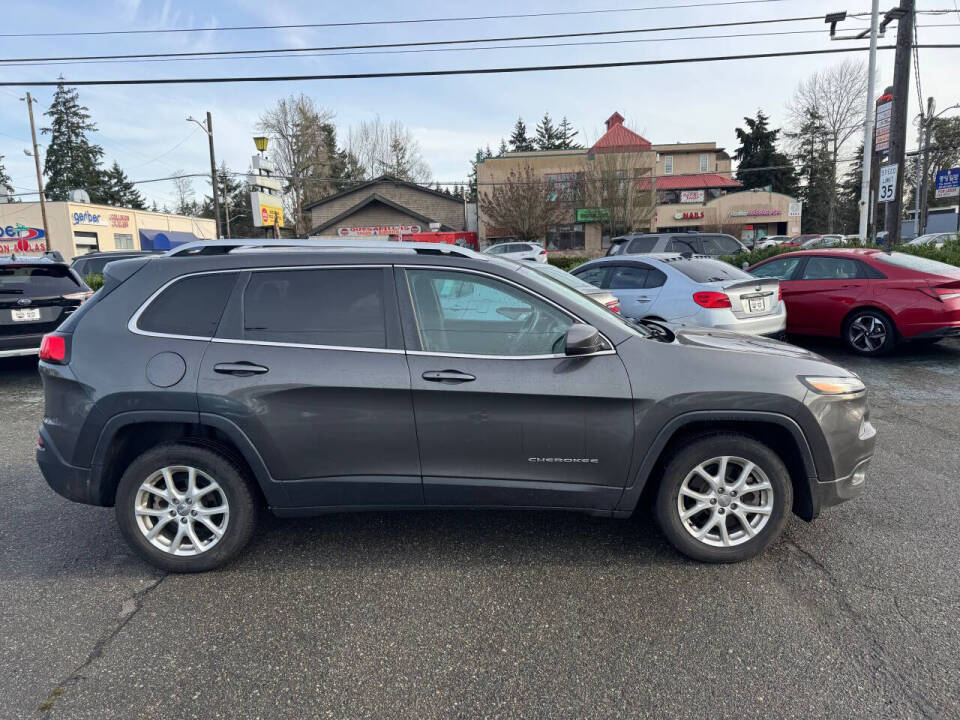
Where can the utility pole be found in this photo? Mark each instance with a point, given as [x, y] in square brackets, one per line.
[226, 205]
[923, 167]
[866, 167]
[208, 129]
[898, 118]
[36, 162]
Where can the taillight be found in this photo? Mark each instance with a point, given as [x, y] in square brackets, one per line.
[543, 252]
[53, 349]
[613, 306]
[81, 296]
[712, 300]
[949, 292]
[779, 294]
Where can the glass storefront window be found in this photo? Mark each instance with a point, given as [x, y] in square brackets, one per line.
[123, 241]
[566, 237]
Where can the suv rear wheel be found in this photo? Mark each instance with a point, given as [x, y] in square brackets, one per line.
[185, 508]
[724, 498]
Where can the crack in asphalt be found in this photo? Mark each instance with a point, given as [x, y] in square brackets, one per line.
[128, 609]
[883, 666]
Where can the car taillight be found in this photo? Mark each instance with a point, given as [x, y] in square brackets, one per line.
[81, 296]
[712, 300]
[53, 349]
[948, 292]
[779, 294]
[543, 252]
[613, 306]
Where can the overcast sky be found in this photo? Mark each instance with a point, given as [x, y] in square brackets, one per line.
[144, 127]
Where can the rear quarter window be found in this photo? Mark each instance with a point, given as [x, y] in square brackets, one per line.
[642, 245]
[190, 306]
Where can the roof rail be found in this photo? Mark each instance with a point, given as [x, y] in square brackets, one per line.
[224, 247]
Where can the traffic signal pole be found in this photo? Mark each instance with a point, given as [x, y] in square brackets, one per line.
[898, 118]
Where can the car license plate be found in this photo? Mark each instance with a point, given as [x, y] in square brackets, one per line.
[756, 305]
[25, 315]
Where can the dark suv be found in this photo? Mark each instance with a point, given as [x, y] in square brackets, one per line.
[196, 388]
[693, 243]
[36, 295]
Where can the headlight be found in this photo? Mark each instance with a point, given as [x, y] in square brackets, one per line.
[833, 385]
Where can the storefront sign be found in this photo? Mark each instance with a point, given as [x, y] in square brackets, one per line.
[689, 215]
[589, 215]
[376, 230]
[795, 209]
[884, 110]
[266, 209]
[88, 218]
[692, 196]
[756, 212]
[119, 221]
[948, 183]
[22, 239]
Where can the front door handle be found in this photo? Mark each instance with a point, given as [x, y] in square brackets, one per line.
[450, 377]
[240, 369]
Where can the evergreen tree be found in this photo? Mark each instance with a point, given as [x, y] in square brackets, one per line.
[116, 189]
[519, 142]
[5, 184]
[503, 148]
[235, 194]
[815, 170]
[758, 149]
[73, 161]
[567, 134]
[481, 155]
[848, 197]
[548, 137]
[347, 169]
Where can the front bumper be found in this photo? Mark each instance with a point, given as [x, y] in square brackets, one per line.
[851, 455]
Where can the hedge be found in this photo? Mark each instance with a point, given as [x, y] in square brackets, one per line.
[94, 281]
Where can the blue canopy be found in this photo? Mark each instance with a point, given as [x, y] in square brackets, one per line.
[164, 239]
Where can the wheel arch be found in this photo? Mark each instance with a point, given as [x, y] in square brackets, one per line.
[779, 432]
[128, 435]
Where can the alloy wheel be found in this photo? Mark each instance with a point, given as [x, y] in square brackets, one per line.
[867, 333]
[725, 501]
[181, 510]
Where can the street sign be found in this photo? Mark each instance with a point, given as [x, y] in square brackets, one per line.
[948, 183]
[887, 190]
[884, 110]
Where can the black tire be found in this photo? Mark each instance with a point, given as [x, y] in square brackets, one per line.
[861, 343]
[239, 523]
[740, 447]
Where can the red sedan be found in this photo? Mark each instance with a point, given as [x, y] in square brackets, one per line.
[870, 298]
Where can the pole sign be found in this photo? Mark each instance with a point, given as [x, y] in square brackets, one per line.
[887, 190]
[948, 183]
[884, 111]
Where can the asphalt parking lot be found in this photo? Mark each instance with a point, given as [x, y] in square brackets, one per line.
[500, 614]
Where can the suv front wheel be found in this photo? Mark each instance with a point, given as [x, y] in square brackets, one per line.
[724, 498]
[185, 508]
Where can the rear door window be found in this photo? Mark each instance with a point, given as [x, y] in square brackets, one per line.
[683, 245]
[593, 275]
[33, 281]
[190, 307]
[831, 268]
[337, 307]
[725, 244]
[629, 277]
[639, 246]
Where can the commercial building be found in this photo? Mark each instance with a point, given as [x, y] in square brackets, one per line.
[386, 206]
[76, 228]
[690, 185]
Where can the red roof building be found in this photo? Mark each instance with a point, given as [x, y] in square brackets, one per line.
[690, 182]
[618, 138]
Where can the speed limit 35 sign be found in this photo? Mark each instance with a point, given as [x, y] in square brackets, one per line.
[887, 189]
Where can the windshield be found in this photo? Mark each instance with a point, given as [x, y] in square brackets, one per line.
[588, 309]
[704, 271]
[37, 280]
[920, 264]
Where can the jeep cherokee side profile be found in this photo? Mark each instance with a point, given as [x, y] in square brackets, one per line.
[196, 389]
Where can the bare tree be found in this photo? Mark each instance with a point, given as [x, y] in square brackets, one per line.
[524, 207]
[388, 149]
[838, 95]
[183, 194]
[615, 182]
[304, 151]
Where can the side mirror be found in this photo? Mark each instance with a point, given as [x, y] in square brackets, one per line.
[584, 340]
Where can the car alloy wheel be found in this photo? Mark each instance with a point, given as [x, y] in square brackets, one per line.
[867, 333]
[181, 510]
[725, 501]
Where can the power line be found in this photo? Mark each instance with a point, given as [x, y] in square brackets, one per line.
[443, 73]
[424, 43]
[411, 21]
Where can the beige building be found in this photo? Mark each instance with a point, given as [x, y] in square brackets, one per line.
[77, 228]
[693, 189]
[385, 206]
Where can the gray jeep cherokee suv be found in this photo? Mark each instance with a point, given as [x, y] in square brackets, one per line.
[196, 388]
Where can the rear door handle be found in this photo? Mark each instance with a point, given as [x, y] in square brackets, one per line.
[240, 369]
[450, 377]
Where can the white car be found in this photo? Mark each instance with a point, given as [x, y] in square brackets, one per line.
[772, 240]
[531, 252]
[935, 239]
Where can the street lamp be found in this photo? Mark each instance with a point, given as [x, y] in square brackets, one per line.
[208, 129]
[261, 142]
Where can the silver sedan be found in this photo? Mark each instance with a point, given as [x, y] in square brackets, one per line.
[690, 290]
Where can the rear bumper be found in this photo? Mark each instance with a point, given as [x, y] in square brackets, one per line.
[946, 331]
[73, 483]
[767, 325]
[15, 345]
